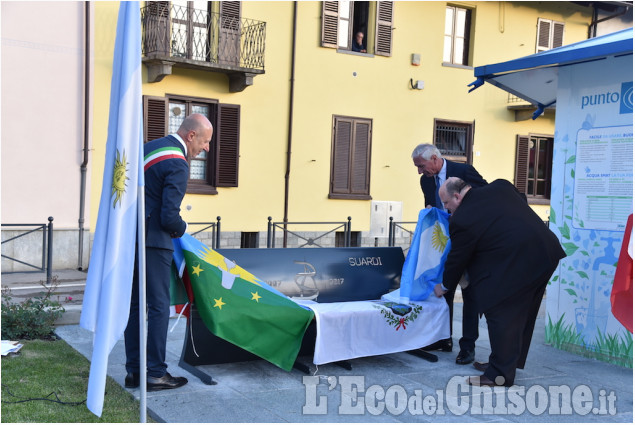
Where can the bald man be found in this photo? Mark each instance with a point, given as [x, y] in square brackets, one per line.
[509, 255]
[166, 171]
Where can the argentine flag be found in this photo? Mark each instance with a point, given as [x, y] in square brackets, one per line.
[425, 261]
[109, 281]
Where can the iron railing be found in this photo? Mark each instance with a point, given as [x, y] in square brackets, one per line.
[515, 99]
[188, 34]
[215, 231]
[271, 232]
[47, 246]
[392, 229]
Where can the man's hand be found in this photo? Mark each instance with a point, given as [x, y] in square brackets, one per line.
[438, 290]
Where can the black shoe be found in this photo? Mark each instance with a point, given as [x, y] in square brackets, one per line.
[166, 382]
[442, 344]
[481, 367]
[465, 357]
[132, 380]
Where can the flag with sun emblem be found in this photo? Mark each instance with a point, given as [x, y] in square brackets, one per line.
[109, 280]
[242, 309]
[424, 264]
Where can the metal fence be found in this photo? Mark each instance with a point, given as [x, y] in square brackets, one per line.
[309, 241]
[215, 239]
[183, 32]
[47, 246]
[392, 229]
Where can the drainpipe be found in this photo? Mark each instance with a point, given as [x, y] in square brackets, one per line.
[83, 167]
[289, 134]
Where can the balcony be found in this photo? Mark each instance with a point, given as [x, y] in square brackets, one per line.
[184, 37]
[523, 110]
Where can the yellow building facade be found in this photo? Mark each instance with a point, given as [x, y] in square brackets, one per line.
[410, 87]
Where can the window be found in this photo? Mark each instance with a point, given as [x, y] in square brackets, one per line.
[350, 158]
[341, 20]
[340, 239]
[550, 34]
[219, 166]
[533, 166]
[249, 239]
[454, 139]
[190, 38]
[456, 43]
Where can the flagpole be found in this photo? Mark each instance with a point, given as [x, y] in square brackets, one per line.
[143, 334]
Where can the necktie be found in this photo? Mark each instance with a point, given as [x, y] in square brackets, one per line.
[436, 193]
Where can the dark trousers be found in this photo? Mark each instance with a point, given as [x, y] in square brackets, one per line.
[511, 325]
[470, 318]
[158, 263]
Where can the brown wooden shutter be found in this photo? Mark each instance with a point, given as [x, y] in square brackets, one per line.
[522, 163]
[383, 34]
[155, 117]
[156, 39]
[330, 19]
[228, 138]
[340, 173]
[230, 10]
[360, 175]
[558, 35]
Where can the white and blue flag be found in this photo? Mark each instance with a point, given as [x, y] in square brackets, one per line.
[425, 261]
[108, 285]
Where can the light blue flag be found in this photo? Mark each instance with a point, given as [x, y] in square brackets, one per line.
[425, 261]
[108, 285]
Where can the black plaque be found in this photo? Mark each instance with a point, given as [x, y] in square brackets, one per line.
[324, 274]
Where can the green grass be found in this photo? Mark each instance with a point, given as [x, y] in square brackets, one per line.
[614, 349]
[50, 369]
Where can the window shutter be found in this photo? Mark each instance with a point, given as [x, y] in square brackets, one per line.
[383, 38]
[330, 19]
[155, 118]
[228, 137]
[558, 35]
[543, 35]
[341, 155]
[360, 175]
[522, 163]
[156, 36]
[231, 11]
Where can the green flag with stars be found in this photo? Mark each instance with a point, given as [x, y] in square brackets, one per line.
[242, 309]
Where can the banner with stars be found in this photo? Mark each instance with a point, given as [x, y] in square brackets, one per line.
[242, 309]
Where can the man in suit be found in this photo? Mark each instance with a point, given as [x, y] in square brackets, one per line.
[509, 255]
[166, 171]
[435, 170]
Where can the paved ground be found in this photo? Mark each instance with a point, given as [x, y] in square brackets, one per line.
[555, 386]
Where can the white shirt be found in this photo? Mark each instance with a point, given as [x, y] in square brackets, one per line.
[177, 137]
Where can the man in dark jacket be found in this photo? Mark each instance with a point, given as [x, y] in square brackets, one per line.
[166, 172]
[509, 255]
[434, 170]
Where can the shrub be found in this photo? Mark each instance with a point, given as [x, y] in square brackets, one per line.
[32, 318]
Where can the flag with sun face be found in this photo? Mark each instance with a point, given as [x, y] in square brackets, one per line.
[425, 262]
[242, 309]
[109, 281]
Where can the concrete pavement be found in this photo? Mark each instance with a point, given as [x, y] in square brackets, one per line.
[555, 386]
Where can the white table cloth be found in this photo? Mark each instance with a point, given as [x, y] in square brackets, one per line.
[348, 330]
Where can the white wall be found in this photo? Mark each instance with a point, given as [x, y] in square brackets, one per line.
[42, 111]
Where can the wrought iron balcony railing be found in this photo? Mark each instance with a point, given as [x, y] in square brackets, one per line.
[182, 36]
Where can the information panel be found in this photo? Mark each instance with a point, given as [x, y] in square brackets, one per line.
[603, 196]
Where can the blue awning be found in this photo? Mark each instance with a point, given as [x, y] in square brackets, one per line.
[534, 78]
